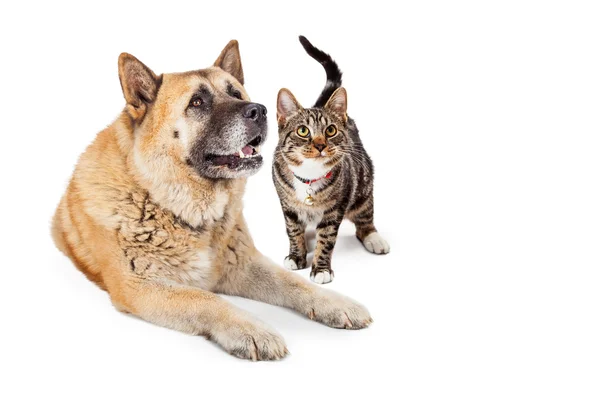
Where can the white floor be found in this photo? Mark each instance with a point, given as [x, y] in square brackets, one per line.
[482, 122]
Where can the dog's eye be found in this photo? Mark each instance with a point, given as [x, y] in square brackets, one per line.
[236, 94]
[331, 131]
[302, 131]
[196, 102]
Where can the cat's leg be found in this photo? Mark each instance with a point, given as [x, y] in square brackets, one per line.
[362, 217]
[327, 231]
[295, 229]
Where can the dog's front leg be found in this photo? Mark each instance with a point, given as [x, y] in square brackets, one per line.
[262, 280]
[199, 312]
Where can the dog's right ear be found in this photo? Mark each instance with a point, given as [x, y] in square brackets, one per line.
[287, 105]
[139, 84]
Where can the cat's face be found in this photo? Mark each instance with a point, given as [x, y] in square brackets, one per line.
[316, 134]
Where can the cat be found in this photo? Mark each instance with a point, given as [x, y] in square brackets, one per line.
[322, 173]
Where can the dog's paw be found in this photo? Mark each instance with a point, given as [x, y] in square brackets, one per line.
[321, 276]
[294, 263]
[376, 244]
[338, 311]
[253, 341]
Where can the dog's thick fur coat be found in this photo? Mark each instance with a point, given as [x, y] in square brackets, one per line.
[141, 220]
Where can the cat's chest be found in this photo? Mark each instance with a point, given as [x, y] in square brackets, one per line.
[311, 215]
[303, 190]
[309, 170]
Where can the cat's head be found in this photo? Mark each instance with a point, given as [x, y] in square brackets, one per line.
[319, 135]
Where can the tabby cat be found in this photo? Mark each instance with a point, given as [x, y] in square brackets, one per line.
[322, 173]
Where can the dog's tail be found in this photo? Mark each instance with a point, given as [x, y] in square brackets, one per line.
[334, 75]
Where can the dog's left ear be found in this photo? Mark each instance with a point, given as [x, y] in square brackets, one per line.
[140, 85]
[230, 61]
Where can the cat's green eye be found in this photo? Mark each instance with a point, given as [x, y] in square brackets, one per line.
[331, 131]
[302, 131]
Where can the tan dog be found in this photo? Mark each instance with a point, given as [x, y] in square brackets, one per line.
[153, 212]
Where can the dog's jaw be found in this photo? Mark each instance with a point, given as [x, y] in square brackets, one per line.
[196, 200]
[240, 159]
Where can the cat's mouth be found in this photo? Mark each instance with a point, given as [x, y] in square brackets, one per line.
[320, 156]
[247, 156]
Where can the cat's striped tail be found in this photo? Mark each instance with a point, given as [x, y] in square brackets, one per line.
[334, 75]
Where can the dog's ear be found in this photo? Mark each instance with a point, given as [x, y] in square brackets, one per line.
[230, 61]
[140, 85]
[338, 103]
[287, 105]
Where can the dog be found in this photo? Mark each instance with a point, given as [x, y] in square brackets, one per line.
[153, 211]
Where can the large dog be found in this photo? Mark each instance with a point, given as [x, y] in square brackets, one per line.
[153, 212]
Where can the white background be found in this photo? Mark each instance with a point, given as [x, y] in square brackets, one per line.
[483, 123]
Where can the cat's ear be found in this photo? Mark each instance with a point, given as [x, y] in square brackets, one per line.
[338, 103]
[230, 61]
[287, 105]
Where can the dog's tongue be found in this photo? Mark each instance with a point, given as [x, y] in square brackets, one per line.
[247, 150]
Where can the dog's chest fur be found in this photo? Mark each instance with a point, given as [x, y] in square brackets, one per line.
[159, 245]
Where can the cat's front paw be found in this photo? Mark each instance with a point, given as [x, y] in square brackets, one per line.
[338, 311]
[293, 262]
[376, 244]
[321, 275]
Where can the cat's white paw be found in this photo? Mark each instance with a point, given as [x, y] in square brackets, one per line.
[376, 244]
[321, 276]
[290, 264]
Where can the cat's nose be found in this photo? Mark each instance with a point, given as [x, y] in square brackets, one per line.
[320, 146]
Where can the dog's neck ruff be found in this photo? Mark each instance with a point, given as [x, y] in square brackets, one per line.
[311, 181]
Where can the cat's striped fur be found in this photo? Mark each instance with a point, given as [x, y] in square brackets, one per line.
[338, 166]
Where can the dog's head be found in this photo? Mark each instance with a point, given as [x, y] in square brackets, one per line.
[198, 122]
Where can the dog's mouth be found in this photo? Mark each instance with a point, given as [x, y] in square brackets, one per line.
[247, 156]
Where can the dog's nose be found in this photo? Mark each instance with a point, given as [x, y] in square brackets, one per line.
[320, 146]
[254, 111]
